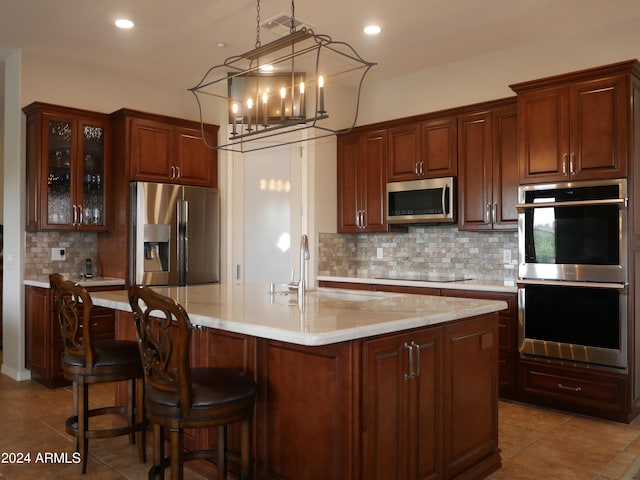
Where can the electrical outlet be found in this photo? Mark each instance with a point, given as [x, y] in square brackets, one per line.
[379, 253]
[506, 256]
[58, 254]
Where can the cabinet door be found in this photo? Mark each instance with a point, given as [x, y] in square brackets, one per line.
[438, 147]
[543, 129]
[404, 153]
[92, 170]
[425, 415]
[599, 128]
[505, 167]
[475, 200]
[37, 316]
[401, 420]
[385, 409]
[348, 193]
[152, 150]
[195, 163]
[470, 393]
[58, 182]
[373, 165]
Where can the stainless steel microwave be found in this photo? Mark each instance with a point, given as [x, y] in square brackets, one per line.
[430, 200]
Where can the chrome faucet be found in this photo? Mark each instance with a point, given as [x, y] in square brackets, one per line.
[304, 256]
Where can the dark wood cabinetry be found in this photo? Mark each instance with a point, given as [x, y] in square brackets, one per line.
[43, 346]
[362, 409]
[575, 126]
[68, 155]
[169, 152]
[488, 169]
[402, 406]
[507, 336]
[362, 163]
[426, 149]
[507, 323]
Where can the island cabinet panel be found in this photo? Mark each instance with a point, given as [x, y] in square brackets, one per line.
[471, 397]
[401, 407]
[305, 421]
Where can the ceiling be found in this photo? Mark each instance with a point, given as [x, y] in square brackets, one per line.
[174, 42]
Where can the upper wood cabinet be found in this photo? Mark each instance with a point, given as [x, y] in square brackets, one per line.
[575, 126]
[425, 149]
[362, 163]
[168, 150]
[68, 155]
[488, 169]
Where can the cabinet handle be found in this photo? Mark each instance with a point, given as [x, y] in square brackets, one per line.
[80, 214]
[494, 213]
[564, 164]
[173, 172]
[417, 364]
[487, 214]
[571, 163]
[362, 224]
[573, 389]
[416, 168]
[408, 347]
[421, 168]
[75, 215]
[178, 172]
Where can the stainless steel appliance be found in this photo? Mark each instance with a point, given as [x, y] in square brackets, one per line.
[572, 283]
[174, 234]
[430, 200]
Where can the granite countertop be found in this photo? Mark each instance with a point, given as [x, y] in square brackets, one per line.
[327, 315]
[43, 282]
[477, 285]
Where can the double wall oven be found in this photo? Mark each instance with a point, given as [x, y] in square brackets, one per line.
[572, 286]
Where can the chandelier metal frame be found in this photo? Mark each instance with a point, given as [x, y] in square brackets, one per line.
[289, 51]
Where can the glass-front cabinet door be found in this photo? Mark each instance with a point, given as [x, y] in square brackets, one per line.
[69, 150]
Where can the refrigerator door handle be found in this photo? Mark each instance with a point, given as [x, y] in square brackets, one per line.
[182, 218]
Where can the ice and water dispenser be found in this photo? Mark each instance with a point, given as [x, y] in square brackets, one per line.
[156, 247]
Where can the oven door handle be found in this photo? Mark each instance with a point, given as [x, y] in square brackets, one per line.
[621, 202]
[564, 283]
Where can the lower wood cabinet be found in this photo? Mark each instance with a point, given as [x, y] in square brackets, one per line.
[579, 389]
[402, 405]
[402, 411]
[44, 348]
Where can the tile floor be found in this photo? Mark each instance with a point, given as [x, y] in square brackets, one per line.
[536, 443]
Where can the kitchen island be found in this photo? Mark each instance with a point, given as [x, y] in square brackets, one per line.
[352, 384]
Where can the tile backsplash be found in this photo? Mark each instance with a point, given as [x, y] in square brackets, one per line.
[442, 250]
[79, 246]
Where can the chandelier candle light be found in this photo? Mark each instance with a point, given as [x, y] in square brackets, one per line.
[294, 68]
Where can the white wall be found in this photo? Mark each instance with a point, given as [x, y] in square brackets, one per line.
[488, 77]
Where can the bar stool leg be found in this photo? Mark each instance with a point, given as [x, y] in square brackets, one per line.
[222, 452]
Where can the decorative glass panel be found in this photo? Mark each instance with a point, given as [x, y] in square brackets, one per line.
[93, 175]
[59, 179]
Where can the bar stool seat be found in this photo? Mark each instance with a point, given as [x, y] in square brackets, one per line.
[87, 361]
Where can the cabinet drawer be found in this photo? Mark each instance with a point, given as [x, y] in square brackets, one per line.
[590, 392]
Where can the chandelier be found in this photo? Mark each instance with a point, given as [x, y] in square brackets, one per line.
[285, 86]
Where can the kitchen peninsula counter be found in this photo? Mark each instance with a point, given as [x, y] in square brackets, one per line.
[352, 384]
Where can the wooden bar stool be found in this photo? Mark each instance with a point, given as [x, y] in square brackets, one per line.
[178, 396]
[87, 362]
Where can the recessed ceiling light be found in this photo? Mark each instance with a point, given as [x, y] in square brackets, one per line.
[372, 29]
[124, 23]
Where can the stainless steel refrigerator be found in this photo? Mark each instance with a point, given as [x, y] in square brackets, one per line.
[174, 234]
